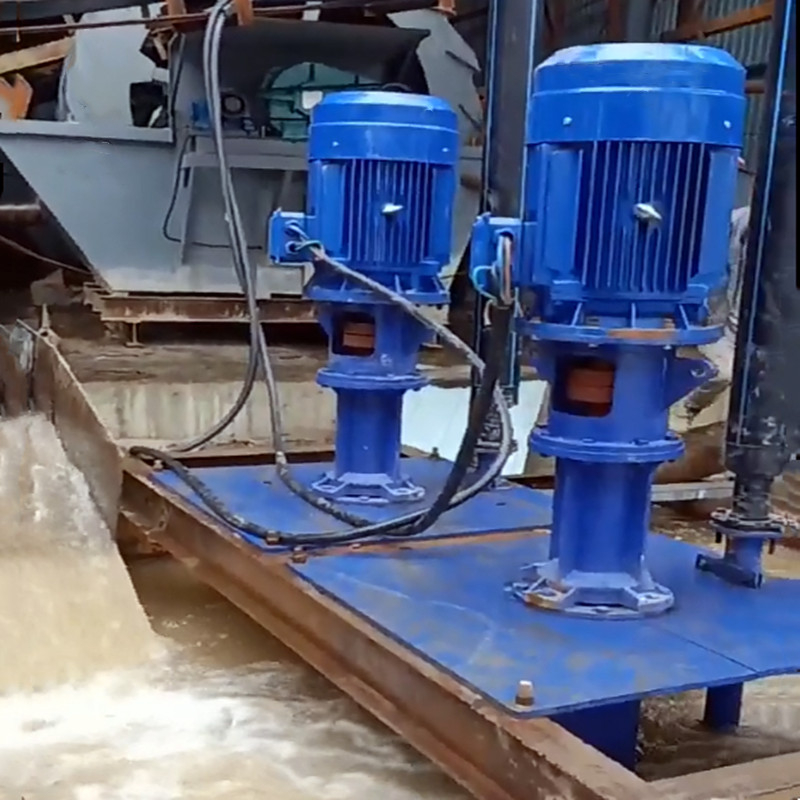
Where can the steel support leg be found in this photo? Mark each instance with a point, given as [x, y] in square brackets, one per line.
[724, 707]
[612, 729]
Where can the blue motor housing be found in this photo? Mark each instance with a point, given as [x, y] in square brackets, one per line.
[630, 181]
[381, 189]
[631, 165]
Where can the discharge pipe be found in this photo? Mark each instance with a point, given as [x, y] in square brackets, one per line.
[764, 416]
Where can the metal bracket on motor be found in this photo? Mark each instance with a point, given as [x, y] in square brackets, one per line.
[284, 243]
[488, 233]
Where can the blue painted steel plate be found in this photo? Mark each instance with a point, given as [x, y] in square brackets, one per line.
[447, 603]
[256, 493]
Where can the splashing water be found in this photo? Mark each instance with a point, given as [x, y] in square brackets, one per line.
[95, 705]
[67, 604]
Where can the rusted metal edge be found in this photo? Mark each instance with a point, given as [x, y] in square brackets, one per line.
[51, 388]
[138, 308]
[762, 778]
[15, 389]
[492, 755]
[59, 395]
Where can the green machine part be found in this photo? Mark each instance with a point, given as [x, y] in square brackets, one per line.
[289, 95]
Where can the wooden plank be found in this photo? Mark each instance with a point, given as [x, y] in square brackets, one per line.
[700, 29]
[755, 87]
[773, 778]
[35, 56]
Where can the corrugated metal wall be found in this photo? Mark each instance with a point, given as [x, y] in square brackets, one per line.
[749, 45]
[585, 22]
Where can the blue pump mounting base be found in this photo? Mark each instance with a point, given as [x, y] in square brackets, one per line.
[446, 597]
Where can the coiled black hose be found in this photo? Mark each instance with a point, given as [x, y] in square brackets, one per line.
[449, 496]
[407, 525]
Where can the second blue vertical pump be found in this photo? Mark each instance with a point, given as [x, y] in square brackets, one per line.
[629, 184]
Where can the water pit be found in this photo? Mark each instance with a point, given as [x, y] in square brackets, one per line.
[146, 685]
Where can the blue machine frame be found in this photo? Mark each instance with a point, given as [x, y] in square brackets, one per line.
[451, 598]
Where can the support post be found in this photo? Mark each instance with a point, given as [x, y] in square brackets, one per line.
[723, 707]
[764, 415]
[514, 46]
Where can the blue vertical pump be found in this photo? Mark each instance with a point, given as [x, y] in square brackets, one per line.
[631, 155]
[381, 187]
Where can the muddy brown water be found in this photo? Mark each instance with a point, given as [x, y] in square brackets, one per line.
[95, 704]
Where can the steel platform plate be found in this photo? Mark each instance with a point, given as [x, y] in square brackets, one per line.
[256, 493]
[447, 603]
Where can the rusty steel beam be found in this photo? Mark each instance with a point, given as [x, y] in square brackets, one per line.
[494, 756]
[699, 28]
[137, 309]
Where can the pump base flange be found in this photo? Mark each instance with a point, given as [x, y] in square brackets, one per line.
[608, 596]
[368, 489]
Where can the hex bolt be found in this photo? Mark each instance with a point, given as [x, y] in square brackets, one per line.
[299, 556]
[524, 695]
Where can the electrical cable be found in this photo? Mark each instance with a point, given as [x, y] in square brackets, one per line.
[43, 259]
[173, 201]
[239, 268]
[245, 271]
[211, 47]
[408, 524]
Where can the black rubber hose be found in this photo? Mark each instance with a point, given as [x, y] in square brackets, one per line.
[479, 409]
[408, 525]
[211, 44]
